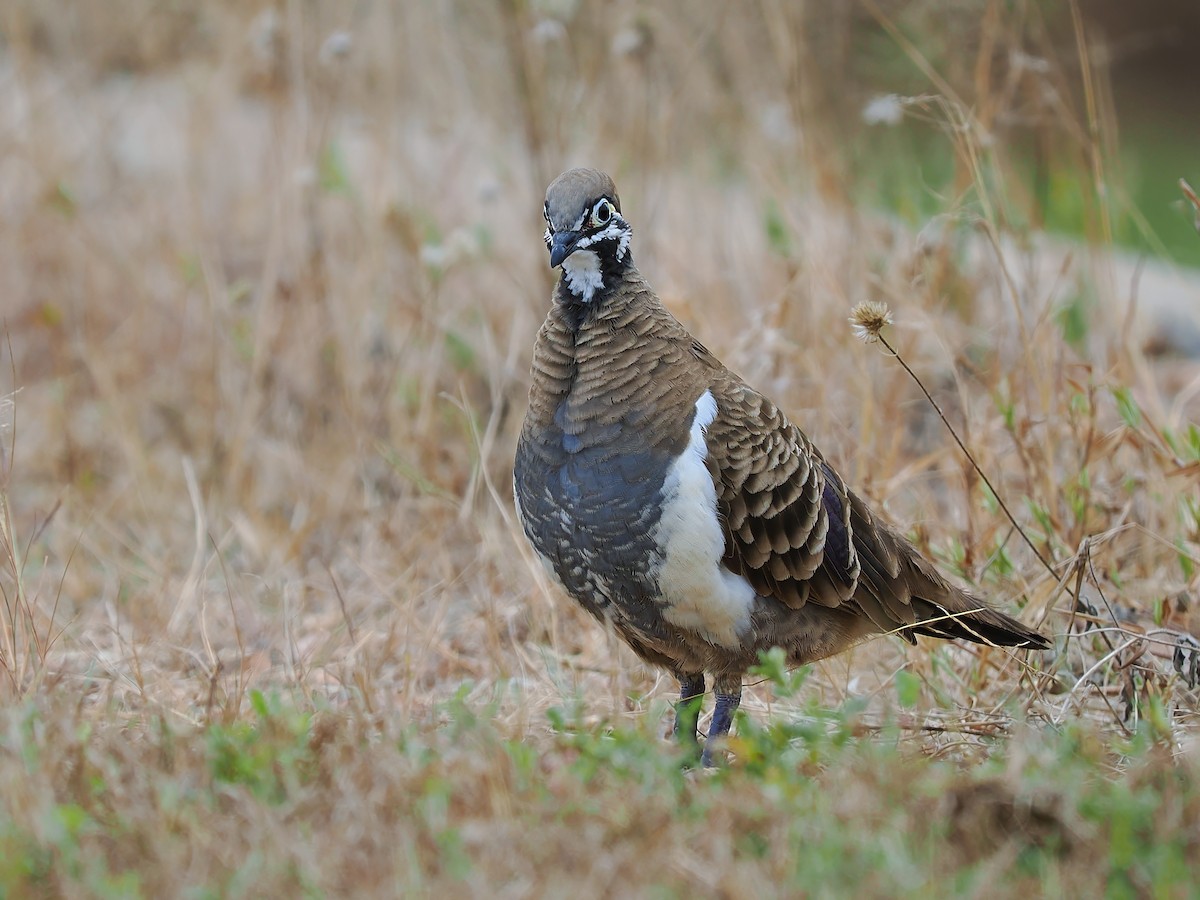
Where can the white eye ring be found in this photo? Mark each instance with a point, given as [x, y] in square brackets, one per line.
[603, 213]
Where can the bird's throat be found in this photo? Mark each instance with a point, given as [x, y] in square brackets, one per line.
[583, 274]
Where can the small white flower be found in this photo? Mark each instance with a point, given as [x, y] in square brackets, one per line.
[885, 109]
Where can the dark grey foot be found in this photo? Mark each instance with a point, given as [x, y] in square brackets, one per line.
[727, 704]
[687, 710]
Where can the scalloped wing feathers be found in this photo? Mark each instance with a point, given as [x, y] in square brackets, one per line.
[797, 533]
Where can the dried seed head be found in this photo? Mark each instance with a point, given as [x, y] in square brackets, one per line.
[868, 318]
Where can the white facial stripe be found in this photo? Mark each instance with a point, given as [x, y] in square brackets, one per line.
[626, 234]
[614, 230]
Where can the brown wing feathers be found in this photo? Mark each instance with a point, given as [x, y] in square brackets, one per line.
[768, 493]
[796, 532]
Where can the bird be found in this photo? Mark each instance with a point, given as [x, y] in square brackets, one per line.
[682, 508]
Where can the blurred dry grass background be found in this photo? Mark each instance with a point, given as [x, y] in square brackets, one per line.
[271, 276]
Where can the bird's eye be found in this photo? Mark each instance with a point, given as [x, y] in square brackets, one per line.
[602, 213]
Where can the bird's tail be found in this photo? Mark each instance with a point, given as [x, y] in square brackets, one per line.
[945, 611]
[897, 586]
[976, 622]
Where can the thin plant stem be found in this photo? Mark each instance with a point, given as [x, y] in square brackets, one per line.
[963, 447]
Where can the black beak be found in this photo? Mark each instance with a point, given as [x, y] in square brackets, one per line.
[562, 245]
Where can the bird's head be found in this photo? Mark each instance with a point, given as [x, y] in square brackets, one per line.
[585, 232]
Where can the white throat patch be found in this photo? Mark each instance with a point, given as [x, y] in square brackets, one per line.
[582, 273]
[582, 268]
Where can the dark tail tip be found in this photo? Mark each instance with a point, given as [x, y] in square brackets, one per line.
[982, 625]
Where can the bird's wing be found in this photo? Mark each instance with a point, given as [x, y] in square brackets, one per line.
[792, 527]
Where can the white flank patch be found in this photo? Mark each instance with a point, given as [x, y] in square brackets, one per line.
[582, 271]
[701, 595]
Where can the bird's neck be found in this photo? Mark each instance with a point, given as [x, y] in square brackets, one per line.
[582, 334]
[589, 277]
[585, 355]
[574, 330]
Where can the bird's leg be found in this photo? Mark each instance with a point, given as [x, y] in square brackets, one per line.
[687, 711]
[729, 697]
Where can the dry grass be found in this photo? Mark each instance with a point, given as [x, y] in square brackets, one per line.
[271, 280]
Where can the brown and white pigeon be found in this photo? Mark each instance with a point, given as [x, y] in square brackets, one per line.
[681, 507]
